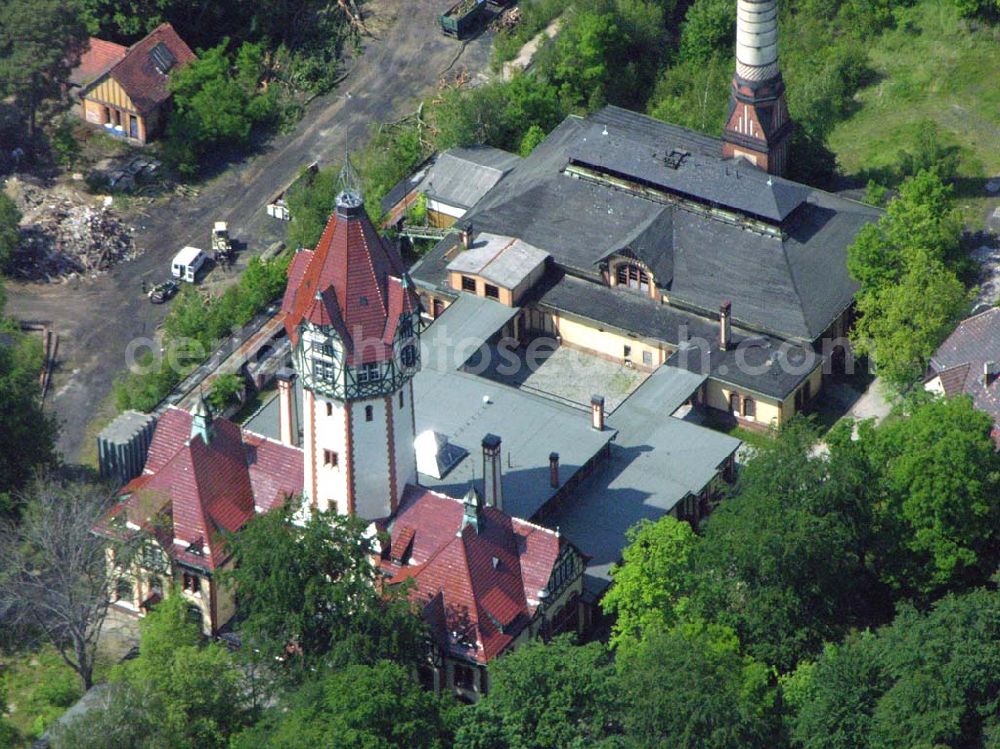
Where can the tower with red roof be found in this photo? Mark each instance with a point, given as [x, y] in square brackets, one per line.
[352, 317]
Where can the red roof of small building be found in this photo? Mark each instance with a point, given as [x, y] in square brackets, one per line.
[353, 282]
[137, 71]
[480, 588]
[210, 489]
[97, 57]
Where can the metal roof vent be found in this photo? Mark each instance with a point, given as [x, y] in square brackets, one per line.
[675, 158]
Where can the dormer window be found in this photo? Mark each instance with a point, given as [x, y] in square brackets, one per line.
[633, 276]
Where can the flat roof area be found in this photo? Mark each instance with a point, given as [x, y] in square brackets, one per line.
[656, 461]
[466, 407]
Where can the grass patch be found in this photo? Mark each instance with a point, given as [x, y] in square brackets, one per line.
[936, 81]
[37, 688]
[103, 415]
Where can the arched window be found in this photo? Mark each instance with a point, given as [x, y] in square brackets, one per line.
[749, 407]
[369, 413]
[633, 276]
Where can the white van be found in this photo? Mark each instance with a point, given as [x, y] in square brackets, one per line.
[187, 263]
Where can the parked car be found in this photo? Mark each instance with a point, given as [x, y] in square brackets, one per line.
[163, 292]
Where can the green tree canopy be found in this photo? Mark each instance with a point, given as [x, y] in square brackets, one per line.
[554, 696]
[374, 707]
[216, 103]
[654, 573]
[938, 495]
[783, 561]
[311, 586]
[40, 43]
[690, 688]
[926, 681]
[910, 296]
[10, 233]
[180, 692]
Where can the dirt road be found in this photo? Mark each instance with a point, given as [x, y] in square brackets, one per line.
[96, 319]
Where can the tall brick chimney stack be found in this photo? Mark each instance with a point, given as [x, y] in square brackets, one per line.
[758, 127]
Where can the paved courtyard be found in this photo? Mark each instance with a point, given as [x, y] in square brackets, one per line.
[562, 372]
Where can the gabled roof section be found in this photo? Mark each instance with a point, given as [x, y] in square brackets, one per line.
[362, 283]
[774, 248]
[480, 589]
[964, 357]
[210, 489]
[723, 183]
[98, 56]
[142, 72]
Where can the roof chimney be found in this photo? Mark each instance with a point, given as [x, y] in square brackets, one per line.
[597, 412]
[725, 325]
[554, 470]
[467, 237]
[989, 369]
[492, 474]
[288, 417]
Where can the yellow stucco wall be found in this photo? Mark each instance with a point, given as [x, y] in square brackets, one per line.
[610, 344]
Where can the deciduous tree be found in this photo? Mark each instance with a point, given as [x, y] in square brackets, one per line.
[655, 572]
[691, 688]
[40, 43]
[546, 696]
[55, 572]
[310, 588]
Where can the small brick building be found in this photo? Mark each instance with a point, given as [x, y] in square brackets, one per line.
[124, 89]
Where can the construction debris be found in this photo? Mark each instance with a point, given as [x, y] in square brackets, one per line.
[507, 20]
[65, 234]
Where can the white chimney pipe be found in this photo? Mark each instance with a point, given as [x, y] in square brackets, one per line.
[288, 421]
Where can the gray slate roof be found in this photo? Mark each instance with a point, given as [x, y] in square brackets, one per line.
[458, 176]
[753, 362]
[792, 283]
[960, 359]
[504, 261]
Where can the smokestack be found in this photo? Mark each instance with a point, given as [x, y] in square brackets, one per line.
[554, 470]
[757, 39]
[467, 236]
[725, 325]
[492, 474]
[597, 412]
[288, 420]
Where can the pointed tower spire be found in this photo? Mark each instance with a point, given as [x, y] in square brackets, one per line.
[758, 127]
[472, 505]
[349, 200]
[201, 420]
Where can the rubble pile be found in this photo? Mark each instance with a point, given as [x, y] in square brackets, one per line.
[64, 234]
[507, 20]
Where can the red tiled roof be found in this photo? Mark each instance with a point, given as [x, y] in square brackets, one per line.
[276, 471]
[211, 489]
[136, 73]
[98, 56]
[479, 588]
[360, 283]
